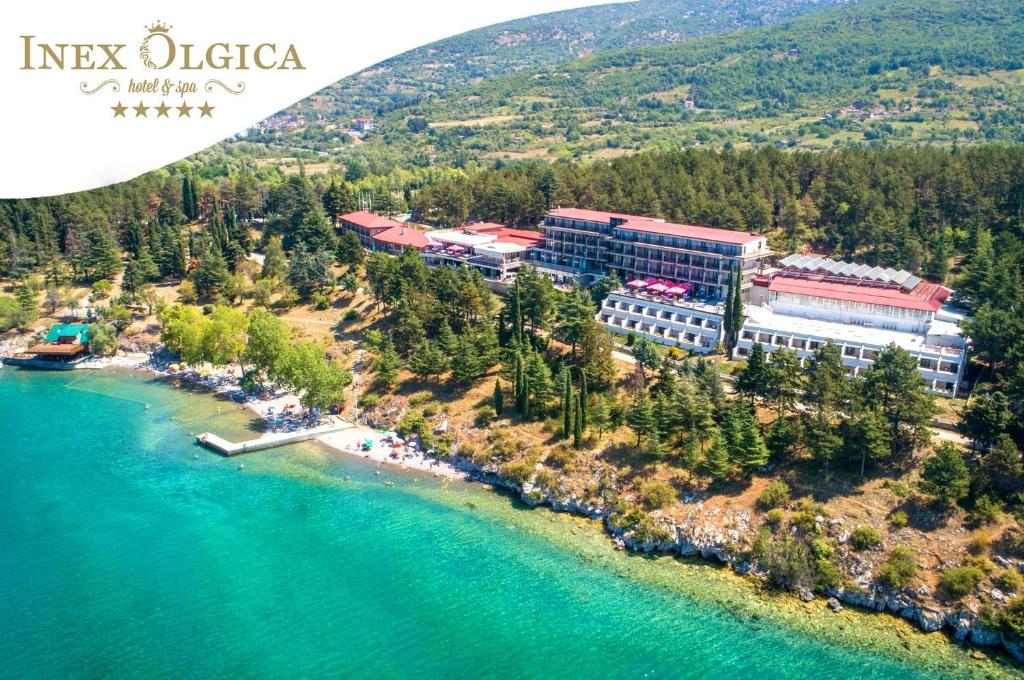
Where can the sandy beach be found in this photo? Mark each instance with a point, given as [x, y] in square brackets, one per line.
[348, 442]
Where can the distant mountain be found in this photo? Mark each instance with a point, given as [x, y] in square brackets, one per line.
[541, 41]
[878, 72]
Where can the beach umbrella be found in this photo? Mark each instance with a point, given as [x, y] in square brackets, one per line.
[636, 283]
[675, 290]
[657, 287]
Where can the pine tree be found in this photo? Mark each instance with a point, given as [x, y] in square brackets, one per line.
[753, 454]
[526, 396]
[275, 265]
[211, 274]
[427, 360]
[753, 379]
[467, 364]
[640, 416]
[600, 416]
[716, 462]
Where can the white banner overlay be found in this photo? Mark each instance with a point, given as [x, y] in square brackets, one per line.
[98, 93]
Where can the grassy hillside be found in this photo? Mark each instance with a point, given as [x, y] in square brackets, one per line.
[878, 72]
[541, 41]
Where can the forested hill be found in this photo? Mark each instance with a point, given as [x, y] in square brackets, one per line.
[541, 41]
[877, 72]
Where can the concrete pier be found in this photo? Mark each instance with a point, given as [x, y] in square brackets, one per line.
[268, 441]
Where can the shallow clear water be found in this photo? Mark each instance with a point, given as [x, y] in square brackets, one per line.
[126, 551]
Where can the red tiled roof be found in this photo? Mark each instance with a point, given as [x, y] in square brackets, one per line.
[522, 237]
[926, 297]
[656, 226]
[483, 227]
[592, 215]
[403, 236]
[690, 231]
[369, 220]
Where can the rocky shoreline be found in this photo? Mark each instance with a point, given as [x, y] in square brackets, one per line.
[962, 624]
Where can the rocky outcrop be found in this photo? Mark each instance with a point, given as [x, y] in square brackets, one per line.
[711, 544]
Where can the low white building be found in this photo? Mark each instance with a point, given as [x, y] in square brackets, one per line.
[496, 251]
[686, 324]
[863, 309]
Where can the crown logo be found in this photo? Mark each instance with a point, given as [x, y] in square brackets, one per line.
[158, 27]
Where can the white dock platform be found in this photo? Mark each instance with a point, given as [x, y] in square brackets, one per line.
[268, 441]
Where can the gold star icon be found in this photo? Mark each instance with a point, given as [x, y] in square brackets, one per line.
[183, 110]
[140, 110]
[162, 110]
[206, 110]
[119, 110]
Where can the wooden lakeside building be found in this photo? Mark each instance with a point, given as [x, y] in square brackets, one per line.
[64, 348]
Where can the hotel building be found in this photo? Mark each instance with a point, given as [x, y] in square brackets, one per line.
[811, 299]
[495, 250]
[582, 245]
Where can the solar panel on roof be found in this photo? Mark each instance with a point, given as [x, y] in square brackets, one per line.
[811, 263]
[911, 283]
[849, 269]
[861, 271]
[891, 273]
[834, 267]
[876, 273]
[789, 259]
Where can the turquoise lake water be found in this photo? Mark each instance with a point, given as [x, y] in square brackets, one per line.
[126, 551]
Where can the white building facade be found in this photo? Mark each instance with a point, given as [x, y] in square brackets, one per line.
[688, 325]
[862, 309]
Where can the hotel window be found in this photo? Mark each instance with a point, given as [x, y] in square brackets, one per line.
[851, 351]
[780, 340]
[748, 335]
[743, 351]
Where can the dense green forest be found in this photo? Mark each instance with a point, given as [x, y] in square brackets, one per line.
[876, 72]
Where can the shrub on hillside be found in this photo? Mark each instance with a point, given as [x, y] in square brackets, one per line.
[899, 519]
[658, 495]
[863, 538]
[774, 495]
[1011, 621]
[1010, 581]
[899, 569]
[959, 581]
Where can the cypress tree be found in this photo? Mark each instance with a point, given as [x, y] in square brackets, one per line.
[584, 399]
[566, 404]
[519, 386]
[577, 428]
[186, 198]
[727, 317]
[499, 398]
[737, 310]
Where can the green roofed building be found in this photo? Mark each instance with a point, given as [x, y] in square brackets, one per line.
[63, 348]
[68, 333]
